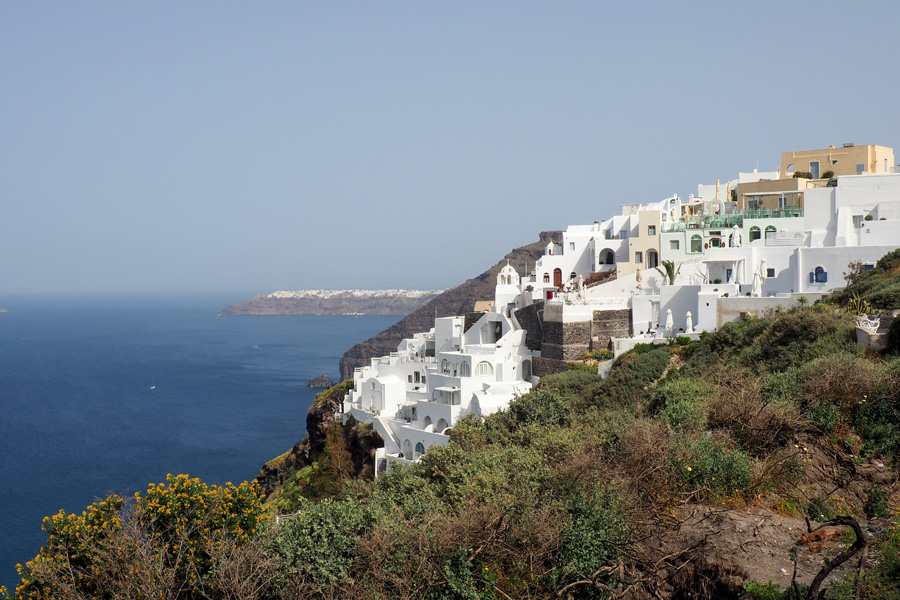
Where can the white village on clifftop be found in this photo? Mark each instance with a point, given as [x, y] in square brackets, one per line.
[676, 267]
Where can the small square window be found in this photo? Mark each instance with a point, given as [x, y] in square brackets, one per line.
[651, 229]
[770, 272]
[673, 244]
[638, 257]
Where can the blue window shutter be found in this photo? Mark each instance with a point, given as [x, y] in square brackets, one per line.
[825, 277]
[812, 277]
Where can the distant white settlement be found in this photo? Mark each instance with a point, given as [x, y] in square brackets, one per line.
[758, 243]
[328, 294]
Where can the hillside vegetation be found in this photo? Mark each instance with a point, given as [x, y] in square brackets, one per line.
[758, 462]
[687, 472]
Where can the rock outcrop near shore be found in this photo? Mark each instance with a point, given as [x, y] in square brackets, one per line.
[455, 301]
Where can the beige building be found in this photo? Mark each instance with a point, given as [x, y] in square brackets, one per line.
[846, 160]
[643, 243]
[776, 194]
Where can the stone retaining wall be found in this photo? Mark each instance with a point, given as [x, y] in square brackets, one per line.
[542, 366]
[608, 324]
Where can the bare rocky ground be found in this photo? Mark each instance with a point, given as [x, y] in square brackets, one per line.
[712, 551]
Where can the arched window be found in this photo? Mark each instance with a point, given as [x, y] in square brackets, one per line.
[441, 424]
[484, 368]
[407, 450]
[610, 257]
[546, 277]
[573, 275]
[464, 370]
[755, 233]
[420, 449]
[696, 244]
[427, 420]
[819, 276]
[770, 229]
[445, 366]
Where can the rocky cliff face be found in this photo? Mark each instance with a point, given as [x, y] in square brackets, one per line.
[456, 301]
[361, 445]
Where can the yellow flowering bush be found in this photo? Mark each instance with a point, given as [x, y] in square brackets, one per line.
[188, 522]
[167, 543]
[70, 551]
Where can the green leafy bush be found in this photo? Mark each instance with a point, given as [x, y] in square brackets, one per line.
[320, 540]
[630, 374]
[706, 464]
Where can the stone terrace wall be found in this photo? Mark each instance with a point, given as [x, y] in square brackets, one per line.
[566, 341]
[542, 366]
[607, 324]
[530, 319]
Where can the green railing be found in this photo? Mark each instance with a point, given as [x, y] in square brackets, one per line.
[728, 221]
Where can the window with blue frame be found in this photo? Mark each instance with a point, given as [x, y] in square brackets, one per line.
[820, 275]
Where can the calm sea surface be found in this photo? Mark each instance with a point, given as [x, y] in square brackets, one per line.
[108, 396]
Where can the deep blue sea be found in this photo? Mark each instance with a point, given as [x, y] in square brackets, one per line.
[100, 396]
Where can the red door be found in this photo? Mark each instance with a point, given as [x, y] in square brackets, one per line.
[557, 277]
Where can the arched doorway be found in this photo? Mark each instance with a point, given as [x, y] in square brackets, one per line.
[652, 259]
[557, 277]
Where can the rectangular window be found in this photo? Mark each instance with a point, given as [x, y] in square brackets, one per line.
[623, 235]
[651, 229]
[770, 272]
[639, 257]
[814, 169]
[572, 246]
[860, 168]
[673, 244]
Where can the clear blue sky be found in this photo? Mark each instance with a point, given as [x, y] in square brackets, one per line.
[209, 146]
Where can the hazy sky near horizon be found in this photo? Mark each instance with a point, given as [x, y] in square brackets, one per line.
[210, 146]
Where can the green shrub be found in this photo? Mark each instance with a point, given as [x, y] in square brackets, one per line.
[784, 386]
[703, 463]
[764, 591]
[630, 375]
[877, 505]
[682, 402]
[591, 538]
[320, 540]
[570, 383]
[541, 407]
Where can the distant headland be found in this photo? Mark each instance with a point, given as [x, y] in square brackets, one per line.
[333, 302]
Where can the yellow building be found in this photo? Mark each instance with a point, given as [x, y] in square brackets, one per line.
[846, 160]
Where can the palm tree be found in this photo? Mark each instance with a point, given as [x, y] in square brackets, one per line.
[670, 272]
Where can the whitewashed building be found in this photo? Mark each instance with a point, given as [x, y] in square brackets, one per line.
[415, 396]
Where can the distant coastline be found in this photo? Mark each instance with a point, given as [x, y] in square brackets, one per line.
[333, 302]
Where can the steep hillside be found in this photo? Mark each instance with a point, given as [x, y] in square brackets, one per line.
[877, 288]
[761, 459]
[455, 301]
[756, 460]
